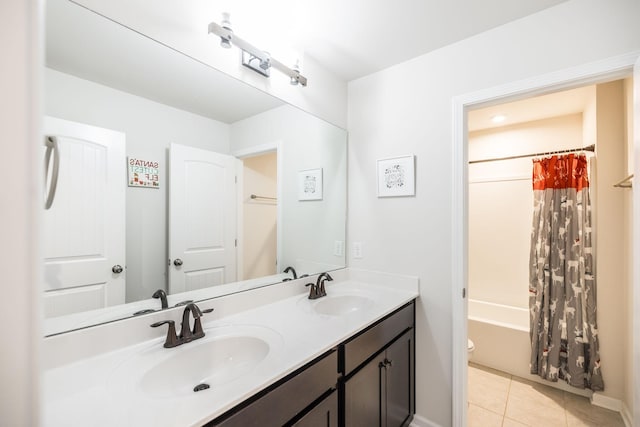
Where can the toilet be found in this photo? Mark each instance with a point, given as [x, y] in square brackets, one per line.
[470, 348]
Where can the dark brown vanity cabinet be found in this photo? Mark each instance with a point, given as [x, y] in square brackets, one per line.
[367, 381]
[379, 390]
[324, 414]
[299, 399]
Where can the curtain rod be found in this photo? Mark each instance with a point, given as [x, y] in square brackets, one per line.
[253, 196]
[591, 148]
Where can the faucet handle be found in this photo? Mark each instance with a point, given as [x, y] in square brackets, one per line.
[198, 332]
[172, 339]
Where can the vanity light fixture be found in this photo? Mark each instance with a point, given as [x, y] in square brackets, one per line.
[258, 60]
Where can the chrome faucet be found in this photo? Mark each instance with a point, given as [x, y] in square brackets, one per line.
[186, 333]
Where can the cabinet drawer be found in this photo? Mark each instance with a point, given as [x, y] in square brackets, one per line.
[293, 394]
[363, 346]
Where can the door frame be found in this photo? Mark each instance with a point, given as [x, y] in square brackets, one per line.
[590, 73]
[244, 153]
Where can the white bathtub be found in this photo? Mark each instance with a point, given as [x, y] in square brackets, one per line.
[500, 315]
[500, 334]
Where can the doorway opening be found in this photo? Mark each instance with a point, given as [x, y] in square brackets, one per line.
[500, 203]
[260, 215]
[593, 73]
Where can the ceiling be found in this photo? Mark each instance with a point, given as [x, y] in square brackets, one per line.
[351, 38]
[573, 101]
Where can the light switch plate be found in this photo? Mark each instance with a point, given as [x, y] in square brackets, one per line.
[338, 248]
[357, 250]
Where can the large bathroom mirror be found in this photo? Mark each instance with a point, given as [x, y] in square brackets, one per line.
[194, 162]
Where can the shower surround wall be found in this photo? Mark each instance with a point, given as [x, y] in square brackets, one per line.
[500, 205]
[500, 215]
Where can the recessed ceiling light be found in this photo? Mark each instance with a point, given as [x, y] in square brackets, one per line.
[498, 118]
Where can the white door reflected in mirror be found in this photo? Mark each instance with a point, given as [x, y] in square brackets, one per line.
[202, 218]
[84, 230]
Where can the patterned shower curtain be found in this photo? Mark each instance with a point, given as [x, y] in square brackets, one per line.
[562, 286]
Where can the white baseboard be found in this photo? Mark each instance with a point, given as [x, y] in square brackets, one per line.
[418, 421]
[617, 405]
[627, 417]
[606, 402]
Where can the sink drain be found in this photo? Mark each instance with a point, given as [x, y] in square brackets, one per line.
[201, 387]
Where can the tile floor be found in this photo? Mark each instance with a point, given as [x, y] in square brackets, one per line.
[502, 400]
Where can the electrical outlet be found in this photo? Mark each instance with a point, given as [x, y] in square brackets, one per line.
[357, 250]
[338, 248]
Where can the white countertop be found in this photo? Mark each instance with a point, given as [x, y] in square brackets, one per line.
[99, 390]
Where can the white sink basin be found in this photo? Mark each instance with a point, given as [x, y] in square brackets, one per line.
[338, 304]
[222, 356]
[213, 363]
[341, 304]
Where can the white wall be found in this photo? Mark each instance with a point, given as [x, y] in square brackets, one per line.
[20, 207]
[149, 127]
[611, 237]
[500, 205]
[407, 109]
[259, 249]
[309, 228]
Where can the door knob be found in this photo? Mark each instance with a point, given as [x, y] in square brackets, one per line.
[177, 262]
[117, 269]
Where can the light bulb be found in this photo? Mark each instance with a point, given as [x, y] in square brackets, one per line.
[225, 42]
[226, 21]
[296, 70]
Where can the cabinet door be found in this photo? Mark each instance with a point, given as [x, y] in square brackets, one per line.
[399, 386]
[325, 414]
[363, 395]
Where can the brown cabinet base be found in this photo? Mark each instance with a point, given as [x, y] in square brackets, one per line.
[369, 380]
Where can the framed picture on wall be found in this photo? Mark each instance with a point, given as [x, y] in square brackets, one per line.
[396, 176]
[310, 184]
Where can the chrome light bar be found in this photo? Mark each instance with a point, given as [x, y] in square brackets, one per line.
[252, 57]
